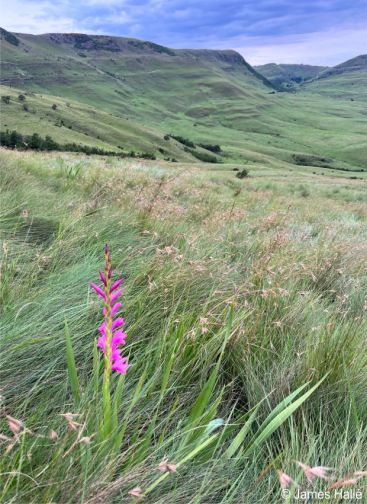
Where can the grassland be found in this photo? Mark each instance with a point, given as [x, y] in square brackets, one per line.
[237, 293]
[287, 76]
[135, 94]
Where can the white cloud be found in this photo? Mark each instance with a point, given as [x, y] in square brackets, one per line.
[29, 17]
[319, 48]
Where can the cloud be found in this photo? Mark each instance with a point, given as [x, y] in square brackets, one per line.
[317, 48]
[302, 30]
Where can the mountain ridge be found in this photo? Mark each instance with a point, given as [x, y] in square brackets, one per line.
[154, 95]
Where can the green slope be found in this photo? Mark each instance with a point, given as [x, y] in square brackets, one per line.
[130, 93]
[73, 121]
[347, 81]
[287, 76]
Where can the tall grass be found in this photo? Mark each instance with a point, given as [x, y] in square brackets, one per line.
[246, 333]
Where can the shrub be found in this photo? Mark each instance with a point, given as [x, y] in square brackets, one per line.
[5, 99]
[36, 142]
[213, 148]
[21, 97]
[54, 106]
[183, 141]
[243, 173]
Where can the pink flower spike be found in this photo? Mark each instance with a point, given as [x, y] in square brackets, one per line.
[98, 290]
[284, 480]
[118, 322]
[116, 294]
[116, 284]
[103, 278]
[111, 333]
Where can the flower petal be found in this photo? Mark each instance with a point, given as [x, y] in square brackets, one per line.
[116, 284]
[103, 278]
[102, 328]
[120, 365]
[118, 322]
[98, 290]
[116, 294]
[118, 338]
[115, 308]
[101, 343]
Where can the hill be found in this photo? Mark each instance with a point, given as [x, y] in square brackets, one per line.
[346, 81]
[287, 76]
[123, 92]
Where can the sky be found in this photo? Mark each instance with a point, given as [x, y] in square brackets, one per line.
[317, 32]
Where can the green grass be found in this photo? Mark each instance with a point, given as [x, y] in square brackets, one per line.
[137, 95]
[288, 76]
[245, 314]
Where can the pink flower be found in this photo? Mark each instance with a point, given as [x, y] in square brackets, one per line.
[117, 322]
[116, 284]
[120, 365]
[118, 338]
[103, 278]
[111, 339]
[114, 309]
[115, 295]
[98, 290]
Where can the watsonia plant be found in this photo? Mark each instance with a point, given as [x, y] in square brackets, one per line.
[112, 335]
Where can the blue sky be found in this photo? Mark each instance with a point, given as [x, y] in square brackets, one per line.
[324, 32]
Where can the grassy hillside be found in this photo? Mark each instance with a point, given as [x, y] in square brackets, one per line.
[347, 81]
[73, 121]
[287, 76]
[132, 93]
[238, 292]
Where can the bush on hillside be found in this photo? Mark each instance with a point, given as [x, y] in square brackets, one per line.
[183, 141]
[16, 140]
[243, 173]
[213, 148]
